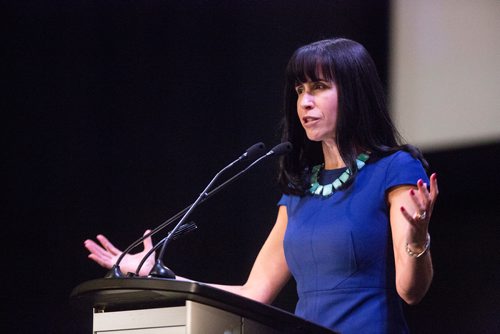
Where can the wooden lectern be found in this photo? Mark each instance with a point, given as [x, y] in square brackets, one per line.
[154, 306]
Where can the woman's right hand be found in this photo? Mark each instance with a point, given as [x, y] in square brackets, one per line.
[106, 255]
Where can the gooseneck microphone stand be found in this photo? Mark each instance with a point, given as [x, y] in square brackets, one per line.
[115, 271]
[278, 150]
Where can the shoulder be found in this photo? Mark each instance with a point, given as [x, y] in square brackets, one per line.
[288, 199]
[397, 159]
[399, 168]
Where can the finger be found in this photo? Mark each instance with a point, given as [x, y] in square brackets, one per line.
[434, 187]
[418, 202]
[422, 189]
[102, 262]
[93, 247]
[108, 245]
[148, 242]
[433, 193]
[97, 250]
[97, 253]
[408, 217]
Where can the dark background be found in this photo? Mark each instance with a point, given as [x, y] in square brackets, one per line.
[117, 113]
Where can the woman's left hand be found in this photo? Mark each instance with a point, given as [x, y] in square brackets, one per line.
[419, 218]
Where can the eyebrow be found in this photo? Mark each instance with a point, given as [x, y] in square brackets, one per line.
[299, 83]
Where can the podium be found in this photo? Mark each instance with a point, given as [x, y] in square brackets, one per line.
[154, 306]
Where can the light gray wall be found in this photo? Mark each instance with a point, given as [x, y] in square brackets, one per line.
[445, 72]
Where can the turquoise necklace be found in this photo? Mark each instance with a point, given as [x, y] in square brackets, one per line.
[328, 189]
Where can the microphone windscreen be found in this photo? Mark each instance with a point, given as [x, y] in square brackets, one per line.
[281, 149]
[254, 151]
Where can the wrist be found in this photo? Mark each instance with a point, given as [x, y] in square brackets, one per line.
[419, 249]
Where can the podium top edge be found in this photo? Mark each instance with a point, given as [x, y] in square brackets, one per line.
[143, 292]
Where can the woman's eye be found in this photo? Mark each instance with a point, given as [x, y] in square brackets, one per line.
[319, 85]
[299, 89]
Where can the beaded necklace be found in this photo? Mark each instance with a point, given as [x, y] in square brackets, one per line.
[328, 189]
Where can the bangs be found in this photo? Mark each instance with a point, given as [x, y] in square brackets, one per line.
[310, 63]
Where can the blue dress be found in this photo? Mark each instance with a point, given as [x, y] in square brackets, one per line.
[339, 249]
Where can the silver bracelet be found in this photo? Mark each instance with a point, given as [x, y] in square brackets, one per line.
[426, 247]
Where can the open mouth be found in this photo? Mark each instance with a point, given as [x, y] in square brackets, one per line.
[309, 119]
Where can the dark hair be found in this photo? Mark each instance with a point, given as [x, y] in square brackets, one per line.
[363, 121]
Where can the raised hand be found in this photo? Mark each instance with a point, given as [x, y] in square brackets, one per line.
[424, 201]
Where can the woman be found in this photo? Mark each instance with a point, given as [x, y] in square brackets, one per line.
[352, 225]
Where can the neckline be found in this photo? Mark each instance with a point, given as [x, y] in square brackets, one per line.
[332, 171]
[329, 189]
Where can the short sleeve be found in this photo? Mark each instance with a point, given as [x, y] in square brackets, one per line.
[284, 200]
[404, 169]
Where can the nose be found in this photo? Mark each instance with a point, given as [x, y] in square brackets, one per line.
[306, 101]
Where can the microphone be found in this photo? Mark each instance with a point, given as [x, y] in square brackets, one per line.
[115, 272]
[281, 149]
[253, 151]
[159, 269]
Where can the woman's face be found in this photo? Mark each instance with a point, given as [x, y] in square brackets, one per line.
[317, 108]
